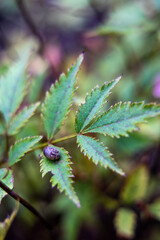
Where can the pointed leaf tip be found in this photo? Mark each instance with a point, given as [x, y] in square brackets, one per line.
[123, 118]
[59, 99]
[93, 104]
[97, 152]
[61, 173]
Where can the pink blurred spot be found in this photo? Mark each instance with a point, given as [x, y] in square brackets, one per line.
[156, 87]
[53, 55]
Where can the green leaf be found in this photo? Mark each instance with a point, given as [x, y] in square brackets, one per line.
[123, 117]
[21, 118]
[6, 177]
[125, 223]
[3, 172]
[99, 154]
[93, 104]
[58, 100]
[136, 185]
[61, 172]
[2, 129]
[21, 147]
[4, 226]
[154, 208]
[13, 85]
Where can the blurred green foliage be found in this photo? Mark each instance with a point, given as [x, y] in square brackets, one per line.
[118, 37]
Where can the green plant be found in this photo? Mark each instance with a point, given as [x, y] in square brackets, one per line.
[117, 121]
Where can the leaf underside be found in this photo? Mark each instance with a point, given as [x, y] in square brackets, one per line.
[58, 100]
[13, 86]
[62, 174]
[21, 118]
[6, 177]
[21, 147]
[97, 152]
[93, 104]
[123, 117]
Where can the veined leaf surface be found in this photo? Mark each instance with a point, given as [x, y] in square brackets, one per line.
[123, 117]
[21, 147]
[99, 154]
[93, 104]
[62, 174]
[58, 100]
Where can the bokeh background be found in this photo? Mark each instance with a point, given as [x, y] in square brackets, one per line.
[118, 37]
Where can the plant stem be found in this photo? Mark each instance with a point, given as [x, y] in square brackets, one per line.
[64, 138]
[25, 204]
[54, 141]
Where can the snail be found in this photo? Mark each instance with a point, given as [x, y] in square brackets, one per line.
[51, 153]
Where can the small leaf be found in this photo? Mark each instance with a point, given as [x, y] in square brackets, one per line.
[123, 117]
[154, 208]
[58, 100]
[21, 118]
[61, 172]
[125, 223]
[21, 147]
[6, 177]
[13, 85]
[136, 185]
[93, 104]
[4, 226]
[99, 154]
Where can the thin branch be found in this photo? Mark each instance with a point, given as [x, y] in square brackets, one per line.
[30, 22]
[54, 141]
[25, 204]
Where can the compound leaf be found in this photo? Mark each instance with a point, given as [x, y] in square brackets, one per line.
[21, 147]
[93, 104]
[125, 223]
[6, 177]
[13, 86]
[21, 118]
[123, 117]
[58, 100]
[62, 173]
[99, 154]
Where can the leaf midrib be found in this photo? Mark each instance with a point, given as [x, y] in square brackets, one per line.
[119, 121]
[59, 107]
[95, 149]
[91, 112]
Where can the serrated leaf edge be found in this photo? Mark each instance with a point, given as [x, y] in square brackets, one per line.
[53, 86]
[71, 177]
[110, 155]
[120, 104]
[20, 140]
[90, 95]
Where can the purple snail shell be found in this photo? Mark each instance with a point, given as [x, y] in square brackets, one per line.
[51, 153]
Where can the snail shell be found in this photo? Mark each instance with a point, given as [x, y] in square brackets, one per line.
[51, 153]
